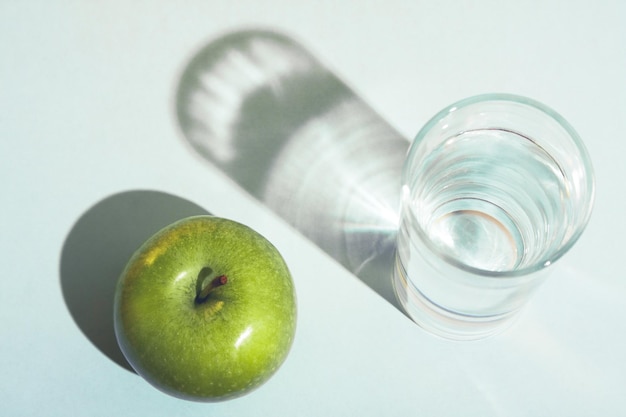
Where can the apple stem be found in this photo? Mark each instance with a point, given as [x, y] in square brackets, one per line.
[215, 283]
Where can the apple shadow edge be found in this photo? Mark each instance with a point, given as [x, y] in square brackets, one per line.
[96, 250]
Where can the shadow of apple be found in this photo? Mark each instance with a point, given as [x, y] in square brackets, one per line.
[96, 250]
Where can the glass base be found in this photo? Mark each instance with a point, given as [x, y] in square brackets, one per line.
[442, 322]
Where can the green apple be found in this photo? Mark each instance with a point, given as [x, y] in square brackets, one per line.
[205, 310]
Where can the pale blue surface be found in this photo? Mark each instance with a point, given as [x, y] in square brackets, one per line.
[86, 113]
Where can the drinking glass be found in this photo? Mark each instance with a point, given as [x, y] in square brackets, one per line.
[495, 189]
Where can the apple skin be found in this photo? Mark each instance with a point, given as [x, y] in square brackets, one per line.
[224, 346]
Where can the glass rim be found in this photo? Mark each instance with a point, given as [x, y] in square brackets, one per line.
[589, 180]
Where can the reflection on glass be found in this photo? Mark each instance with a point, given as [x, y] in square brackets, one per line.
[289, 132]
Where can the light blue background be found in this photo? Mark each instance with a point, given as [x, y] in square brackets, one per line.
[86, 113]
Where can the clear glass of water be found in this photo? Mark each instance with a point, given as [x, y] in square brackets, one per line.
[495, 189]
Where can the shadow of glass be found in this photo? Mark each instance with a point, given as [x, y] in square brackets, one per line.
[293, 135]
[97, 249]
